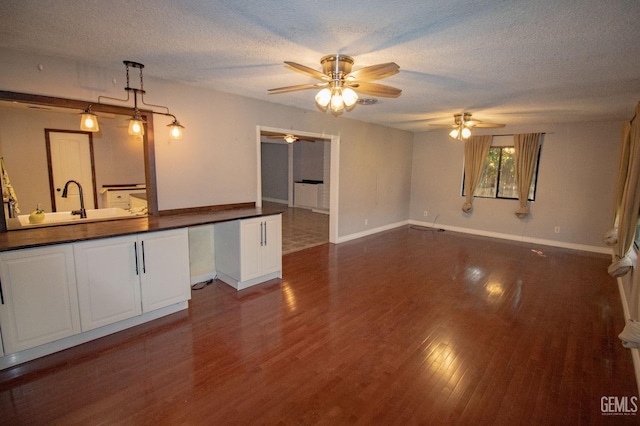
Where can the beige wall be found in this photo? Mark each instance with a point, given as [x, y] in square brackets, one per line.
[575, 186]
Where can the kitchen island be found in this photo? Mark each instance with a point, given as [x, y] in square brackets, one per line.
[65, 285]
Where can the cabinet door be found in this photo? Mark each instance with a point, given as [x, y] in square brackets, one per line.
[272, 248]
[40, 302]
[164, 259]
[251, 243]
[108, 284]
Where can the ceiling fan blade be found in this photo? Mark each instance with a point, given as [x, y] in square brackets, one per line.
[308, 71]
[442, 126]
[375, 72]
[375, 89]
[489, 125]
[296, 87]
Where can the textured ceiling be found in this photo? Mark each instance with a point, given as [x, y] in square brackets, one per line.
[542, 61]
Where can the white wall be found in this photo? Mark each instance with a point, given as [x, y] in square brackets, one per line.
[575, 186]
[216, 161]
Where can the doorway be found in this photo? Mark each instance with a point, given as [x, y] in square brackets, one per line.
[332, 163]
[70, 157]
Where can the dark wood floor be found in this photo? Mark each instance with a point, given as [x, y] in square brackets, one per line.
[405, 327]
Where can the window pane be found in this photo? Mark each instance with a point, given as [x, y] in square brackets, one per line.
[507, 187]
[487, 184]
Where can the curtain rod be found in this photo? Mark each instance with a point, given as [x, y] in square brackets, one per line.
[513, 134]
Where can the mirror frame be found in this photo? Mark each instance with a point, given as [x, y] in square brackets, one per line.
[148, 138]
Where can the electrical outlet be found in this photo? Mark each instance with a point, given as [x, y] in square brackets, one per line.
[426, 213]
[556, 229]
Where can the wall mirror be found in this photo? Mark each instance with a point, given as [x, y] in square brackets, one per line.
[35, 133]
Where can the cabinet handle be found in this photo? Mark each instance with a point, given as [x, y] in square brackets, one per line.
[1, 294]
[144, 264]
[265, 233]
[135, 249]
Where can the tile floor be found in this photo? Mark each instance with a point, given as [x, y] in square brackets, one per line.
[301, 228]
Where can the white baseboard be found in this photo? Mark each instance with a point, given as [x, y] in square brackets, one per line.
[512, 237]
[371, 231]
[275, 200]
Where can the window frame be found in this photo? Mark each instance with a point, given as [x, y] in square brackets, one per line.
[534, 181]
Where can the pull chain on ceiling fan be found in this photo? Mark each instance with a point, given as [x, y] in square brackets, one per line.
[339, 84]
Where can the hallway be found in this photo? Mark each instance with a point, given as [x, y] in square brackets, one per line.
[301, 228]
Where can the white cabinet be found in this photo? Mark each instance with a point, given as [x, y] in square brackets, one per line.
[39, 297]
[163, 264]
[249, 251]
[121, 277]
[108, 287]
[308, 195]
[120, 196]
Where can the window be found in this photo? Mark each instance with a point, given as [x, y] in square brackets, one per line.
[498, 178]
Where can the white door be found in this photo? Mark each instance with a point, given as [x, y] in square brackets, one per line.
[164, 260]
[251, 243]
[272, 249]
[71, 158]
[40, 300]
[108, 281]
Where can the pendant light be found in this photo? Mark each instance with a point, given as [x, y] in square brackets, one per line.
[89, 121]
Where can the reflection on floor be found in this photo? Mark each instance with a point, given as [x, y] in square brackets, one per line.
[301, 228]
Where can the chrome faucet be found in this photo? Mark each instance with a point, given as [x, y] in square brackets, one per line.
[82, 212]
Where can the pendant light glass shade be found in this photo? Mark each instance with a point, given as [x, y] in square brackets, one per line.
[466, 132]
[175, 130]
[89, 121]
[136, 126]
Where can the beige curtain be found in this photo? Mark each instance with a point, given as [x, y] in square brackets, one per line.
[476, 150]
[527, 147]
[630, 203]
[611, 236]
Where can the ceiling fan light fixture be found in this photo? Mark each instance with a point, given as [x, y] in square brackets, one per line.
[454, 133]
[342, 86]
[89, 121]
[337, 103]
[349, 96]
[323, 97]
[466, 132]
[290, 138]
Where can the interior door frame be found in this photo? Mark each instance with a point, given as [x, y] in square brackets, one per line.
[334, 173]
[52, 188]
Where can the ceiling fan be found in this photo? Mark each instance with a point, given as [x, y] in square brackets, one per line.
[463, 123]
[339, 84]
[288, 137]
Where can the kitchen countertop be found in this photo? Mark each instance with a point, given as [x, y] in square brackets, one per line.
[26, 238]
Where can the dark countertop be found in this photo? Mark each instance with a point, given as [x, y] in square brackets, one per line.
[60, 234]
